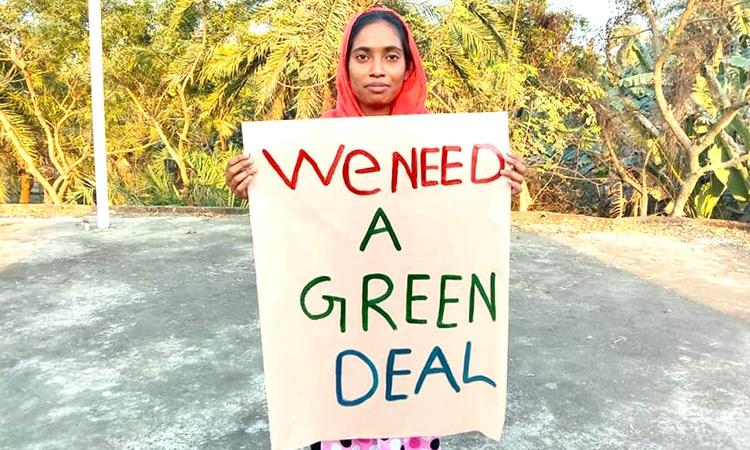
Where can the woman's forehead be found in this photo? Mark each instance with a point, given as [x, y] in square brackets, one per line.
[377, 35]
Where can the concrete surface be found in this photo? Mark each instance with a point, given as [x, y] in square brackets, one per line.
[146, 336]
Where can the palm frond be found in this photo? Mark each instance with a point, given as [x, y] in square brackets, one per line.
[16, 131]
[484, 13]
[207, 179]
[278, 108]
[177, 14]
[617, 201]
[6, 178]
[232, 59]
[268, 78]
[308, 102]
[476, 40]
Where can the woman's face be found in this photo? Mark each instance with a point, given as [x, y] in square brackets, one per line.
[377, 68]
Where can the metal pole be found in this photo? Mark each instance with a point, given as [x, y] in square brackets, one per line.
[97, 113]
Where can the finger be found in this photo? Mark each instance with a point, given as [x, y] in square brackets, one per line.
[233, 170]
[514, 176]
[513, 156]
[517, 164]
[236, 180]
[239, 178]
[234, 173]
[519, 168]
[237, 165]
[236, 158]
[515, 188]
[517, 177]
[232, 166]
[510, 161]
[242, 188]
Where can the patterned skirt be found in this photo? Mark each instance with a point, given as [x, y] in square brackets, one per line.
[412, 443]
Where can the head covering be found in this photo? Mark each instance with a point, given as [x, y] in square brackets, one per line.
[413, 92]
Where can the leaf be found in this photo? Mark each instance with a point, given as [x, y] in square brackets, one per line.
[642, 79]
[617, 200]
[740, 127]
[718, 56]
[5, 179]
[738, 61]
[177, 16]
[735, 179]
[644, 55]
[14, 129]
[701, 94]
[706, 196]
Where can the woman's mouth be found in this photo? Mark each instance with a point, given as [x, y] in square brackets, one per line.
[376, 88]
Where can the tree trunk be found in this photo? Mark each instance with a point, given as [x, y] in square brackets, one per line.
[644, 205]
[26, 183]
[223, 144]
[686, 190]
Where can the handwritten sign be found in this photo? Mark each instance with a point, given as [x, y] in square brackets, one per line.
[381, 254]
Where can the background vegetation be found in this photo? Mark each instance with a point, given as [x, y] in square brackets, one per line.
[648, 118]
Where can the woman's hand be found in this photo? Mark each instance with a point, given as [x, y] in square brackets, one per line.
[240, 170]
[515, 168]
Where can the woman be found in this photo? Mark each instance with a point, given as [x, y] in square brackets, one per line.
[379, 73]
[383, 76]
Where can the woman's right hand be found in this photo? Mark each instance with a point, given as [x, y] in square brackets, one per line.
[240, 170]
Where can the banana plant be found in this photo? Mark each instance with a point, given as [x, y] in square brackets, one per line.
[722, 77]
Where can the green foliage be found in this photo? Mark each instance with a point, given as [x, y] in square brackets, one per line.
[705, 73]
[181, 76]
[707, 196]
[6, 175]
[208, 187]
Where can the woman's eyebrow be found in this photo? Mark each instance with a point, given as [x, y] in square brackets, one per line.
[389, 48]
[394, 48]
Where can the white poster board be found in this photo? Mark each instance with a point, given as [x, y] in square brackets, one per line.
[381, 250]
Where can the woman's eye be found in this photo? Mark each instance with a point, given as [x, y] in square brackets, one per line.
[393, 57]
[361, 57]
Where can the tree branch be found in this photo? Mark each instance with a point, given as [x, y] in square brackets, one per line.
[661, 60]
[690, 8]
[656, 36]
[23, 68]
[619, 168]
[727, 116]
[174, 153]
[186, 117]
[714, 87]
[726, 164]
[27, 159]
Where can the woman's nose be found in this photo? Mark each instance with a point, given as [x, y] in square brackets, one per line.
[376, 69]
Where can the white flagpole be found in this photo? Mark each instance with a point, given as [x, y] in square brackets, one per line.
[97, 113]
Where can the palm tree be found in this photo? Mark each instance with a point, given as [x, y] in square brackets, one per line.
[282, 60]
[44, 92]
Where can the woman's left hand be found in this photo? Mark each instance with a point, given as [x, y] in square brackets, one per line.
[515, 168]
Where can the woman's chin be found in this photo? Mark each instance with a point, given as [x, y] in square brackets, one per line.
[377, 103]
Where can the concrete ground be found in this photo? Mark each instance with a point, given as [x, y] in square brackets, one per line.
[146, 336]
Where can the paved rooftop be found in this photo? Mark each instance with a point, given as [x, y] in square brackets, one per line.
[146, 336]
